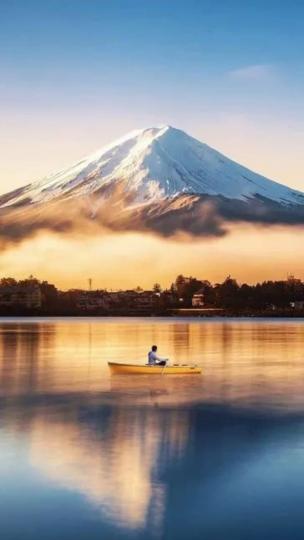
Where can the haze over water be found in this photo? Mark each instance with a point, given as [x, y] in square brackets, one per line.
[86, 455]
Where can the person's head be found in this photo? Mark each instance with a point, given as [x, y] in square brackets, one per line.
[154, 348]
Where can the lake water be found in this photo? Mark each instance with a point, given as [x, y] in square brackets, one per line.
[86, 456]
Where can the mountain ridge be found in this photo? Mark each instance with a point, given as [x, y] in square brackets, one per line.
[157, 180]
[156, 163]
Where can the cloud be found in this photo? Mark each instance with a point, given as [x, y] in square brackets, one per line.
[255, 72]
[83, 218]
[186, 215]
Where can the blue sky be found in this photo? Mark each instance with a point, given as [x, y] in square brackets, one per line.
[76, 74]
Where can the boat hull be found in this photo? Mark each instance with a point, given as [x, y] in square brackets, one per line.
[135, 369]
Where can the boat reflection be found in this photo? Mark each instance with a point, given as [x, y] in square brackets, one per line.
[249, 361]
[138, 457]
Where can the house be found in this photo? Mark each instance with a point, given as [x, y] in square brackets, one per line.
[138, 301]
[28, 295]
[198, 299]
[33, 296]
[116, 301]
[92, 300]
[297, 305]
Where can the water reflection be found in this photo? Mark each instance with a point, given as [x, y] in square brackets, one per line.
[110, 455]
[142, 457]
[159, 472]
[248, 361]
[113, 464]
[19, 352]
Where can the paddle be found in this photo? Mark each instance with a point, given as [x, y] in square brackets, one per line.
[167, 360]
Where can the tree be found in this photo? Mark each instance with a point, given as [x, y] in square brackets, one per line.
[8, 282]
[186, 287]
[157, 288]
[227, 293]
[49, 296]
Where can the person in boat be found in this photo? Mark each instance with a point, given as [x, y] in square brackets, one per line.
[153, 358]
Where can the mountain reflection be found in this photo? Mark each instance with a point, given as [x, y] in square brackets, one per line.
[111, 458]
[154, 471]
[144, 457]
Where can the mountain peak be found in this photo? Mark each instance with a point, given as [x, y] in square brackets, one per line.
[153, 164]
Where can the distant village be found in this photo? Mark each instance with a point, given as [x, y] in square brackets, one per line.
[187, 296]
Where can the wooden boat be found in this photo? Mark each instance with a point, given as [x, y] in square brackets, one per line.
[137, 369]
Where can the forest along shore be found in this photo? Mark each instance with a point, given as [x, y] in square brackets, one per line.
[186, 296]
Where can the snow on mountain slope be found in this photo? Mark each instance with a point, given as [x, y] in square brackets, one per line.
[156, 164]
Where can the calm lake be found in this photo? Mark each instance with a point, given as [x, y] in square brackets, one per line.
[86, 456]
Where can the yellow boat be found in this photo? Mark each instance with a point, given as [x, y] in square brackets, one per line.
[137, 369]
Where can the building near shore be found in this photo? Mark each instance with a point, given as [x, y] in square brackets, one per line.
[92, 300]
[117, 301]
[27, 295]
[298, 305]
[198, 299]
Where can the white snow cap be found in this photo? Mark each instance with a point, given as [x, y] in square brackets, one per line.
[157, 163]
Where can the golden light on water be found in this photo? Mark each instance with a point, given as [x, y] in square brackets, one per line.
[241, 360]
[105, 438]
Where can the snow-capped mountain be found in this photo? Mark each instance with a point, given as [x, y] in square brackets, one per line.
[154, 164]
[159, 178]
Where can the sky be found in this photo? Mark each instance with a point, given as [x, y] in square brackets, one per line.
[74, 75]
[77, 74]
[124, 261]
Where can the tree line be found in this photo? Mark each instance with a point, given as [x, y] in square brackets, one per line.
[228, 295]
[231, 295]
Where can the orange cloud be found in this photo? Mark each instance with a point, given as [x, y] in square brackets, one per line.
[124, 260]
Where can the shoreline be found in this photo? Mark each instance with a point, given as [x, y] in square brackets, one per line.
[175, 315]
